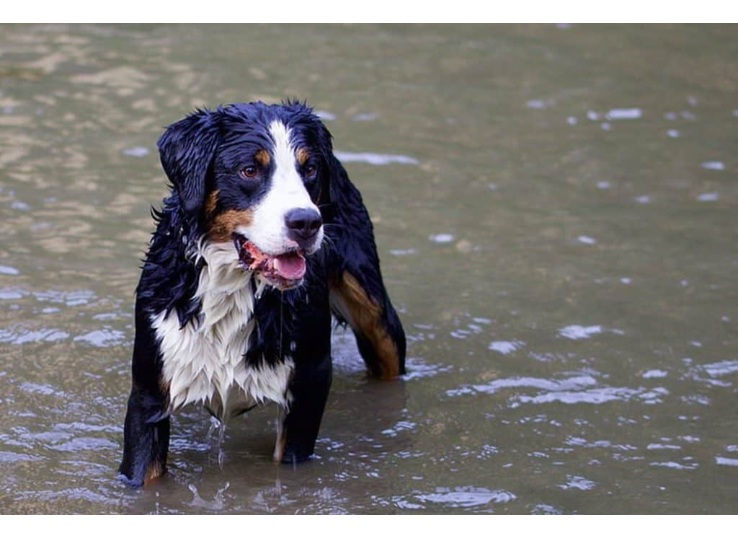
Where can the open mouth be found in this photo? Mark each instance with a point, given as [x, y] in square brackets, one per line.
[283, 271]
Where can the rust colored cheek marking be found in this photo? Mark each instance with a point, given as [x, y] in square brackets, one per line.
[211, 204]
[222, 225]
[366, 319]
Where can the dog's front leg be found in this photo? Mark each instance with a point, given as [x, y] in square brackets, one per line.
[146, 428]
[299, 429]
[145, 439]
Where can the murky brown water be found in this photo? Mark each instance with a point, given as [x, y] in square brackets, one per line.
[557, 212]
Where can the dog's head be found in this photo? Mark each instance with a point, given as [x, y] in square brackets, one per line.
[252, 175]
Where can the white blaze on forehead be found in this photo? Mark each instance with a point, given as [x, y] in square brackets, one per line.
[284, 152]
[286, 192]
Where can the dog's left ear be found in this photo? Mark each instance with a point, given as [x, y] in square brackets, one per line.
[186, 150]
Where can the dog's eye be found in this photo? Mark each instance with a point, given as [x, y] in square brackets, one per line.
[248, 172]
[310, 171]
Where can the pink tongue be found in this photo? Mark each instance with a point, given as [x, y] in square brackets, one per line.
[290, 266]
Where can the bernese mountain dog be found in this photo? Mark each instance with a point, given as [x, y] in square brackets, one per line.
[262, 241]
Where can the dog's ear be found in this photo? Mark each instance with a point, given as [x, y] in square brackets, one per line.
[186, 150]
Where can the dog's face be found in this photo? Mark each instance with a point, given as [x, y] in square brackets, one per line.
[260, 198]
[256, 183]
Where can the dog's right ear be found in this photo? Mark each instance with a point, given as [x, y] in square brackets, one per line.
[186, 150]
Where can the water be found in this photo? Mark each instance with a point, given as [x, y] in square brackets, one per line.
[555, 207]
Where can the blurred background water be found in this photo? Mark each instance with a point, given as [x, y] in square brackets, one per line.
[556, 210]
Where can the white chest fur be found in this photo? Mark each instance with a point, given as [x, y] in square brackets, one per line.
[204, 362]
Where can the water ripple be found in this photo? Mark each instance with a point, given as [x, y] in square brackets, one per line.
[105, 337]
[8, 270]
[578, 332]
[721, 368]
[459, 497]
[574, 390]
[578, 482]
[505, 347]
[377, 159]
[598, 396]
[24, 336]
[102, 338]
[523, 382]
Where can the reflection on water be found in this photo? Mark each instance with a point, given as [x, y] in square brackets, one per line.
[555, 208]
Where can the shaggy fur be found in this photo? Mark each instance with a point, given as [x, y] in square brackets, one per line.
[262, 240]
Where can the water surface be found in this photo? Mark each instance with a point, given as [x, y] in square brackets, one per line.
[556, 211]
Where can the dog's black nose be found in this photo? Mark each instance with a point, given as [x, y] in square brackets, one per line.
[303, 224]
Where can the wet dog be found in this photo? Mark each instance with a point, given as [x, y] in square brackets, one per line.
[262, 241]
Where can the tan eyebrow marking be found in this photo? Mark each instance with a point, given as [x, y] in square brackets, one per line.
[262, 158]
[302, 156]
